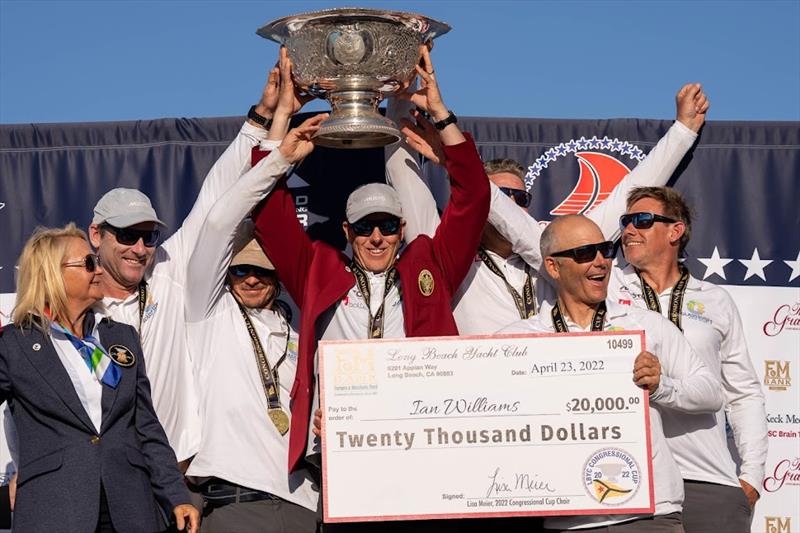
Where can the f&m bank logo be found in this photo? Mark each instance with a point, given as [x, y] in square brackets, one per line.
[776, 375]
[599, 172]
[778, 524]
[354, 369]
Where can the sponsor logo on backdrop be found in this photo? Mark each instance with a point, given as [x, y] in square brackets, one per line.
[599, 172]
[785, 472]
[785, 318]
[787, 418]
[776, 375]
[778, 524]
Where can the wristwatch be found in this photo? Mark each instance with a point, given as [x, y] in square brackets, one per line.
[449, 119]
[264, 122]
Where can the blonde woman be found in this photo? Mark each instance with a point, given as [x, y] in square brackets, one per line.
[92, 454]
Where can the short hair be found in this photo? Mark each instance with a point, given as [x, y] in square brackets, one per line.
[40, 284]
[674, 204]
[496, 166]
[548, 241]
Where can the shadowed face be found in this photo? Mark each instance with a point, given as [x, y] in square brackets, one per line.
[254, 287]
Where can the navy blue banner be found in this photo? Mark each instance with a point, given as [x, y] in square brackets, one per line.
[741, 178]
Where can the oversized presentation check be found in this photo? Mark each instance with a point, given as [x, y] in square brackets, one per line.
[484, 426]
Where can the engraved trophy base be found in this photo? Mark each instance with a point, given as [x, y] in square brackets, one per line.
[355, 123]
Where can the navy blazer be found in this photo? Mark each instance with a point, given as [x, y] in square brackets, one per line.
[63, 460]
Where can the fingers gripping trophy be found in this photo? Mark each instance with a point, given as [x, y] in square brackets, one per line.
[354, 58]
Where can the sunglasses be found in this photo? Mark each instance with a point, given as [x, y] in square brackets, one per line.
[90, 263]
[387, 226]
[242, 271]
[520, 196]
[129, 236]
[643, 220]
[587, 252]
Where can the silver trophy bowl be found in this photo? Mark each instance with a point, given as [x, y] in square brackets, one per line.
[354, 58]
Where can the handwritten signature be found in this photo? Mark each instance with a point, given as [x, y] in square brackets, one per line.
[523, 481]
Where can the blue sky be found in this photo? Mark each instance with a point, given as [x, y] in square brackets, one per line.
[71, 61]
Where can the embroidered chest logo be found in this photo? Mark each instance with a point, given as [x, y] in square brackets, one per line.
[425, 282]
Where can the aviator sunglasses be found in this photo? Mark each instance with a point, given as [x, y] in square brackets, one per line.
[129, 236]
[241, 271]
[520, 196]
[387, 226]
[643, 220]
[587, 252]
[90, 263]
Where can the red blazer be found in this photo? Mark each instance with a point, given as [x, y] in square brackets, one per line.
[317, 275]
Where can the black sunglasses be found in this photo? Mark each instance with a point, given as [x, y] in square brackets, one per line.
[387, 226]
[90, 263]
[643, 220]
[241, 271]
[587, 252]
[520, 196]
[129, 236]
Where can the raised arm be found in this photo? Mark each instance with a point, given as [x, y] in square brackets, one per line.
[276, 226]
[403, 173]
[744, 400]
[655, 170]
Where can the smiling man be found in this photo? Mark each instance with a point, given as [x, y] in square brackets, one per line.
[379, 292]
[655, 232]
[578, 260]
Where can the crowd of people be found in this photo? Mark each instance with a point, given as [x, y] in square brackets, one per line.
[162, 385]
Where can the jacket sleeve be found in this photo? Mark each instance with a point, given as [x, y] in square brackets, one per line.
[744, 401]
[686, 384]
[166, 480]
[457, 238]
[282, 237]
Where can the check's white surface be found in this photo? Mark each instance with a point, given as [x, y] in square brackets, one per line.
[484, 426]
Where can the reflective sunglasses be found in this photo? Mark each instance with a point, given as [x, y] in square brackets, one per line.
[242, 271]
[129, 236]
[520, 196]
[642, 220]
[587, 252]
[387, 226]
[90, 263]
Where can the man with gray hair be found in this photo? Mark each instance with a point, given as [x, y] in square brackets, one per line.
[578, 260]
[144, 285]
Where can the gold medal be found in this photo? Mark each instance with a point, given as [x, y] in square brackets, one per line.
[280, 419]
[425, 282]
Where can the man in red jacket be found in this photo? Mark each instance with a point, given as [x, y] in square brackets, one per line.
[379, 293]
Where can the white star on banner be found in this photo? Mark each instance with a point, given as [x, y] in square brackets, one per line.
[795, 266]
[715, 264]
[755, 266]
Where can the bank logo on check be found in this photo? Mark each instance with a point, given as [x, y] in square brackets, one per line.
[611, 476]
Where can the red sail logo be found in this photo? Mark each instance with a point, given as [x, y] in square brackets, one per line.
[599, 174]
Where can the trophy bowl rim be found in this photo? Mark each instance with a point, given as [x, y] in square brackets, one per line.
[278, 29]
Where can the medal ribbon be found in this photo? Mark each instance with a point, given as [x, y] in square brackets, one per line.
[526, 306]
[375, 322]
[598, 319]
[94, 355]
[142, 303]
[675, 297]
[269, 376]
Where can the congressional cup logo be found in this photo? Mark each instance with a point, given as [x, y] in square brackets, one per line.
[599, 172]
[778, 524]
[611, 476]
[785, 317]
[776, 375]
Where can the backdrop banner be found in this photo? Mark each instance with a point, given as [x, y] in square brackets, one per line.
[741, 178]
